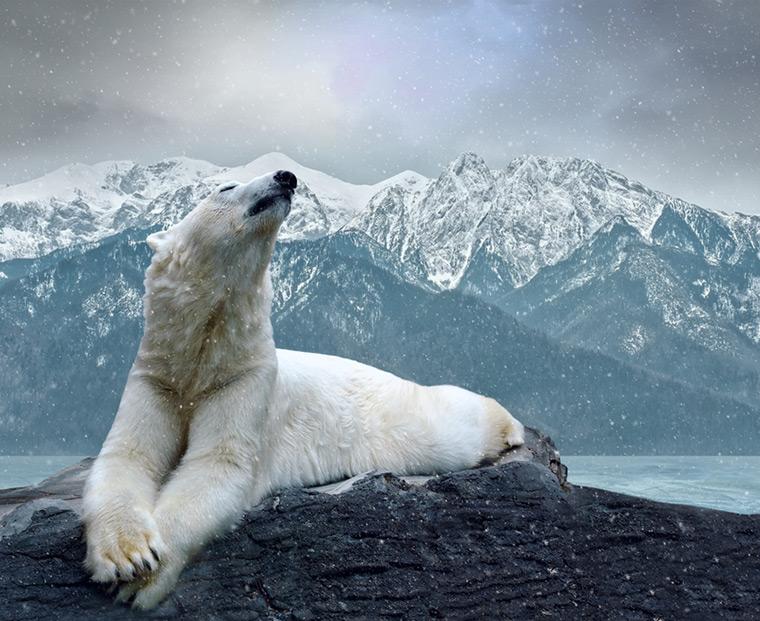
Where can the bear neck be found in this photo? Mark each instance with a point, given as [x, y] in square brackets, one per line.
[207, 319]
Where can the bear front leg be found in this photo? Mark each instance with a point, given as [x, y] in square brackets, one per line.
[209, 491]
[123, 539]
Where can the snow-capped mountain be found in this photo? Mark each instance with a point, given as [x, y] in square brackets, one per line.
[490, 232]
[70, 332]
[654, 306]
[473, 228]
[602, 303]
[80, 204]
[485, 232]
[515, 221]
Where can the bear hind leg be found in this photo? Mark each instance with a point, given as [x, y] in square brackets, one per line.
[506, 431]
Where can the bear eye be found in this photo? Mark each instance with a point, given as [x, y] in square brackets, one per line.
[227, 187]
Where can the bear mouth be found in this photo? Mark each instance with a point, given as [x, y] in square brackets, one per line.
[268, 202]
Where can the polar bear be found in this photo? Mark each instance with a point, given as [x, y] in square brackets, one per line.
[213, 418]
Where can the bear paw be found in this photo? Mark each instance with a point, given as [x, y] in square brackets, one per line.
[149, 590]
[124, 548]
[514, 434]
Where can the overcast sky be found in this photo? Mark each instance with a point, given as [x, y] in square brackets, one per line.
[666, 92]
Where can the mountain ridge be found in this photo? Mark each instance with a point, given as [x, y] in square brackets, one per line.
[574, 263]
[69, 334]
[133, 189]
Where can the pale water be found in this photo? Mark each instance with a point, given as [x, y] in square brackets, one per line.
[727, 483]
[23, 470]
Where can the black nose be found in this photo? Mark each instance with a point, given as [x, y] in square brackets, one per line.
[286, 178]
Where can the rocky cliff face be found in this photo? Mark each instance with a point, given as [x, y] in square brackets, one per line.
[508, 541]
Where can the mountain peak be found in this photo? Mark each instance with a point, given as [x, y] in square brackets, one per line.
[466, 162]
[544, 167]
[63, 183]
[275, 161]
[347, 197]
[467, 176]
[531, 214]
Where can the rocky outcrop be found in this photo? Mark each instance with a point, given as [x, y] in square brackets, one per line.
[509, 541]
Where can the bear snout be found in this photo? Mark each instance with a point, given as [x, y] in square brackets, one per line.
[271, 194]
[286, 179]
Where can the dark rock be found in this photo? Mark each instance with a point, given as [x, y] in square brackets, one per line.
[510, 541]
[65, 485]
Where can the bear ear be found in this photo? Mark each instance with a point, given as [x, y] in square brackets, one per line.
[156, 240]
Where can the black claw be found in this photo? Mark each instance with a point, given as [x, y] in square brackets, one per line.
[149, 566]
[134, 573]
[155, 555]
[117, 574]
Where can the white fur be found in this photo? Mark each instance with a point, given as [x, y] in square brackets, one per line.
[213, 418]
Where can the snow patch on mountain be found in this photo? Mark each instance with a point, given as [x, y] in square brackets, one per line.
[532, 214]
[470, 224]
[79, 203]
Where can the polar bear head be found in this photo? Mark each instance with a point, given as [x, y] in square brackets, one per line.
[260, 205]
[235, 225]
[222, 248]
[233, 213]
